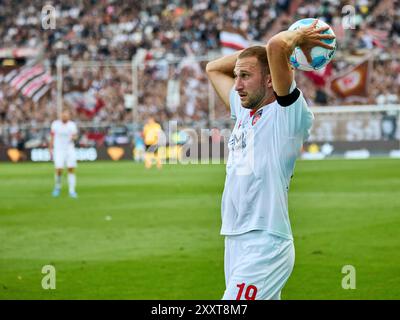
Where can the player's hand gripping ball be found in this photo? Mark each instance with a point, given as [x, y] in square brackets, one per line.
[320, 56]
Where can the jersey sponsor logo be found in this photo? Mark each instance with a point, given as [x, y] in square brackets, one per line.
[238, 140]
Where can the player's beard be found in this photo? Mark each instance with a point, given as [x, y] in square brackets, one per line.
[254, 100]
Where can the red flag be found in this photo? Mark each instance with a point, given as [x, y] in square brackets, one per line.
[354, 82]
[319, 77]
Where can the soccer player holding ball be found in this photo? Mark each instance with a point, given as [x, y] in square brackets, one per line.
[272, 122]
[63, 135]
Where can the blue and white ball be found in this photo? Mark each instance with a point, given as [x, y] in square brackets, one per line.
[320, 56]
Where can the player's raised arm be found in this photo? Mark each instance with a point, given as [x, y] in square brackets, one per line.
[280, 47]
[220, 73]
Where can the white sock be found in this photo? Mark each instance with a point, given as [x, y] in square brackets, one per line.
[71, 182]
[57, 180]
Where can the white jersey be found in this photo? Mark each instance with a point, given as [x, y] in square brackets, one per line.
[63, 133]
[263, 149]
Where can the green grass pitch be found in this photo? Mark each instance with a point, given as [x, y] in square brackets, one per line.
[137, 234]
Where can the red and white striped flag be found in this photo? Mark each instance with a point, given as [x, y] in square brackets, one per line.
[232, 40]
[36, 84]
[31, 81]
[26, 75]
[11, 75]
[40, 93]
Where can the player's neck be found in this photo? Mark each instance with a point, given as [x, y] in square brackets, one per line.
[266, 101]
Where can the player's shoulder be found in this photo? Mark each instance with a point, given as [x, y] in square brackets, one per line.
[234, 98]
[55, 123]
[72, 124]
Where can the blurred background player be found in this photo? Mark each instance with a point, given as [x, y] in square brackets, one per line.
[151, 135]
[63, 135]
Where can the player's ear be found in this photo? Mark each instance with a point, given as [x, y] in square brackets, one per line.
[269, 81]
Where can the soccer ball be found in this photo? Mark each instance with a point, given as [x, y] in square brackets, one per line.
[320, 56]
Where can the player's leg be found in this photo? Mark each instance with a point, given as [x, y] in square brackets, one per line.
[59, 158]
[141, 154]
[281, 270]
[263, 264]
[57, 182]
[148, 157]
[229, 259]
[71, 165]
[72, 183]
[157, 157]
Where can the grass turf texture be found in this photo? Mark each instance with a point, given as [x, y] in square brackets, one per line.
[137, 234]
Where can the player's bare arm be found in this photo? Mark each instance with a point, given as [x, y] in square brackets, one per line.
[51, 144]
[220, 73]
[280, 47]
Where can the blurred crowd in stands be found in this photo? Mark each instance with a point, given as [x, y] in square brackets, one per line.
[171, 84]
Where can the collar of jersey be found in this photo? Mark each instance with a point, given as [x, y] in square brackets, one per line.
[253, 112]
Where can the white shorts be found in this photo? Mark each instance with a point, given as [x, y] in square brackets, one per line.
[64, 158]
[257, 265]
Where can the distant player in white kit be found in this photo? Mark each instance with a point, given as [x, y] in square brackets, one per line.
[63, 135]
[272, 122]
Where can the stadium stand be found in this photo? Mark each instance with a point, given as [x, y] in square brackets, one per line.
[116, 31]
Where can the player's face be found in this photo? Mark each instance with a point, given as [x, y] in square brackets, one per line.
[65, 116]
[250, 83]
